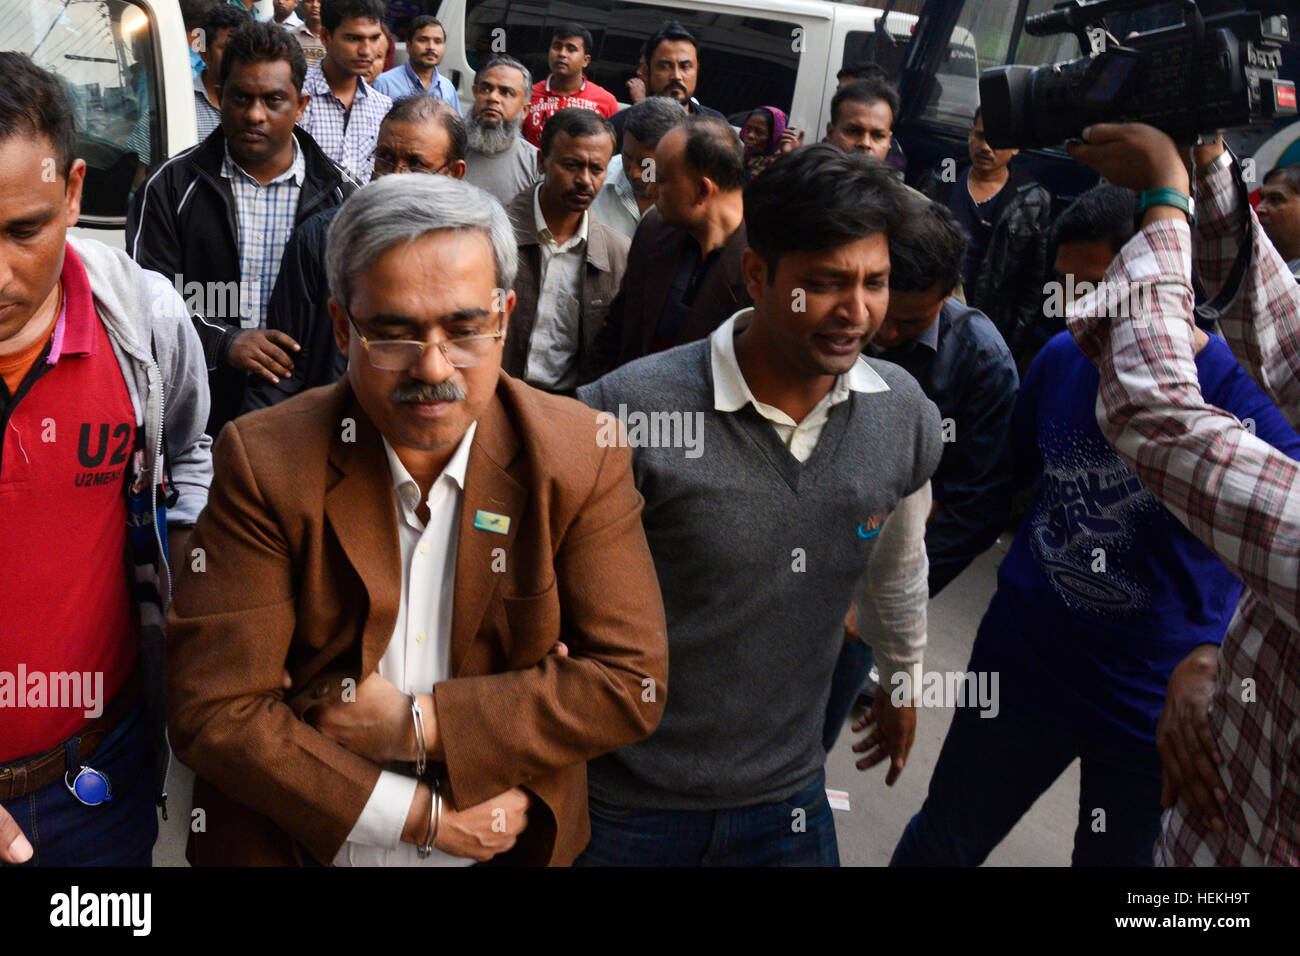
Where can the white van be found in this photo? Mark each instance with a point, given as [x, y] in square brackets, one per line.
[782, 53]
[126, 67]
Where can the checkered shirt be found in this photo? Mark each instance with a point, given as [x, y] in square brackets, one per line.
[347, 136]
[265, 214]
[1232, 490]
[207, 117]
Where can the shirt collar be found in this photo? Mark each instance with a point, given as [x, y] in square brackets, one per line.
[292, 21]
[414, 78]
[622, 185]
[199, 87]
[929, 338]
[297, 170]
[1294, 266]
[544, 231]
[407, 487]
[73, 333]
[730, 390]
[316, 85]
[580, 89]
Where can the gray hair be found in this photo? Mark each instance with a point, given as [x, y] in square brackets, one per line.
[501, 59]
[399, 209]
[654, 116]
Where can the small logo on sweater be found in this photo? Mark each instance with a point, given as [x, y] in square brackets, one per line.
[871, 527]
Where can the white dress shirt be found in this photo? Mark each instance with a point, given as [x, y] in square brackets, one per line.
[419, 654]
[553, 350]
[893, 594]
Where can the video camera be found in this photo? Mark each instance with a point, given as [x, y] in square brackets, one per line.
[1216, 70]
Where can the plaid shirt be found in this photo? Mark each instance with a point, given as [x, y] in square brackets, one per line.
[265, 214]
[1233, 491]
[347, 136]
[207, 116]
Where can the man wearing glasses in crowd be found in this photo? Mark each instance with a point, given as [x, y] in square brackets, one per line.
[431, 567]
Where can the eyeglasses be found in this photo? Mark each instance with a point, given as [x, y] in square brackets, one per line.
[386, 163]
[396, 355]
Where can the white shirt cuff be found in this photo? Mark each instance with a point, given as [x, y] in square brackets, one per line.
[384, 815]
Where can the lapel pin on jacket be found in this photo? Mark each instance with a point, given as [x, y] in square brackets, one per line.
[491, 521]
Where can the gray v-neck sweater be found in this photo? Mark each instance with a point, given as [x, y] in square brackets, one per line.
[757, 556]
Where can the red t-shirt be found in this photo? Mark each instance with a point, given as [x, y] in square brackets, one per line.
[66, 604]
[546, 104]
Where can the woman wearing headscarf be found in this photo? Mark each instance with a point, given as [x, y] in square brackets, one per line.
[761, 135]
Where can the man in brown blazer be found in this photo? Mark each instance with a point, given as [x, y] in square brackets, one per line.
[428, 562]
[570, 263]
[683, 275]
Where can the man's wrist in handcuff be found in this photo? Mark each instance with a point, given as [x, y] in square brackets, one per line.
[432, 741]
[417, 815]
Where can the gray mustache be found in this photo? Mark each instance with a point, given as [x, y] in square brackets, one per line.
[444, 391]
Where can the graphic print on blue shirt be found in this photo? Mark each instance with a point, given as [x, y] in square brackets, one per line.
[1103, 591]
[1091, 500]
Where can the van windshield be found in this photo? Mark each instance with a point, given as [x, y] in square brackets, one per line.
[102, 50]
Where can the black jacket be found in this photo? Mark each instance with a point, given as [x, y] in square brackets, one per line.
[182, 224]
[299, 308]
[1008, 286]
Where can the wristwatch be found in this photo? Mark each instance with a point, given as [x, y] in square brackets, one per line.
[1167, 197]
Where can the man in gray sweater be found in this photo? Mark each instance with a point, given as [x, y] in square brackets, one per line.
[497, 158]
[785, 476]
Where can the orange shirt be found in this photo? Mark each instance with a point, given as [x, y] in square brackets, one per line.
[15, 366]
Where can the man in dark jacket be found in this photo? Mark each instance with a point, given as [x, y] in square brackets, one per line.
[672, 60]
[570, 263]
[215, 218]
[683, 275]
[420, 134]
[1007, 215]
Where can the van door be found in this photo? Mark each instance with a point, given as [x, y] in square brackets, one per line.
[125, 66]
[955, 40]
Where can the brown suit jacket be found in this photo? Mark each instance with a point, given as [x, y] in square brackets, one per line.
[652, 264]
[302, 571]
[606, 260]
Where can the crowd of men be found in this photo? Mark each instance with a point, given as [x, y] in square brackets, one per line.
[556, 504]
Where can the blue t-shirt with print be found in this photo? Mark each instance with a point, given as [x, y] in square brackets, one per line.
[1103, 591]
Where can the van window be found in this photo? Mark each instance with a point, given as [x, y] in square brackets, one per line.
[980, 39]
[745, 61]
[102, 50]
[890, 50]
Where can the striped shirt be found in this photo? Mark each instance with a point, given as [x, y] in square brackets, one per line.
[553, 352]
[206, 113]
[348, 136]
[312, 48]
[265, 214]
[1232, 490]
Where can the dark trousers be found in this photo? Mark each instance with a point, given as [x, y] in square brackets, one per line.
[798, 831]
[121, 832]
[992, 769]
[851, 673]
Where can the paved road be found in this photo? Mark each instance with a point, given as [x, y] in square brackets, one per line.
[869, 830]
